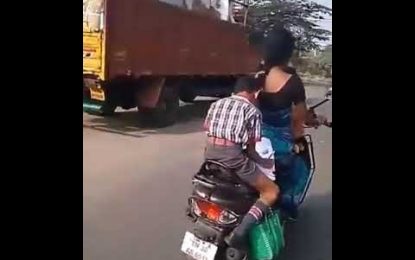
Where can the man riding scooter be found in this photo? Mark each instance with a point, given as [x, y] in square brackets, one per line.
[233, 124]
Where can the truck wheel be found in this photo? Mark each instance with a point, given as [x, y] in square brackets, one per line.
[163, 115]
[187, 95]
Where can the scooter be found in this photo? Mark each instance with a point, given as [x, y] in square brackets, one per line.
[219, 201]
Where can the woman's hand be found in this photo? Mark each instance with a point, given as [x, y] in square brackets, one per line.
[314, 120]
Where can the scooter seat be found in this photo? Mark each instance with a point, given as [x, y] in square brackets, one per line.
[224, 187]
[220, 175]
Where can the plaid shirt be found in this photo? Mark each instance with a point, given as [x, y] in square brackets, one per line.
[235, 119]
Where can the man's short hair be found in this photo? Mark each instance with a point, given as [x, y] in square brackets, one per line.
[246, 83]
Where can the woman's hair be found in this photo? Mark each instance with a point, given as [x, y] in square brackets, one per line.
[260, 78]
[278, 47]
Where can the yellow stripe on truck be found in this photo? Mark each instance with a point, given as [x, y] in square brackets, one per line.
[93, 53]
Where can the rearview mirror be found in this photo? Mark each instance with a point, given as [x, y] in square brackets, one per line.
[329, 93]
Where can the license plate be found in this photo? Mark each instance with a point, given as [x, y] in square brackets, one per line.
[97, 94]
[197, 248]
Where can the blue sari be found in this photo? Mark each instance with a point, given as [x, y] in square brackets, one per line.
[292, 173]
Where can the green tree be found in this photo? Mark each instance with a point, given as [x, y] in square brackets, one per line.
[298, 16]
[325, 57]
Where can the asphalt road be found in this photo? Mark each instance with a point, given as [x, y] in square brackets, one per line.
[136, 182]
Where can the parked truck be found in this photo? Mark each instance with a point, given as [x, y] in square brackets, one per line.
[148, 54]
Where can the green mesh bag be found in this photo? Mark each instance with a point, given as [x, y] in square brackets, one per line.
[266, 238]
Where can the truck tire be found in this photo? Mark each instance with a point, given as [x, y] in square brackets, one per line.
[187, 95]
[165, 114]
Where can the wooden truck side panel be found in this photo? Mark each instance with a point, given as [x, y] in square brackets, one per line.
[147, 37]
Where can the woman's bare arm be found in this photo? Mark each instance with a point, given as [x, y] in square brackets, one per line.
[298, 119]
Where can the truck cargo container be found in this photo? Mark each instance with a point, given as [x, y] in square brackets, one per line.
[147, 54]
